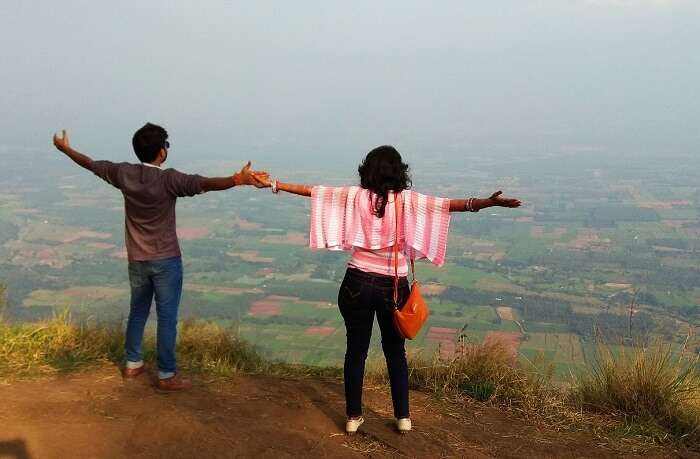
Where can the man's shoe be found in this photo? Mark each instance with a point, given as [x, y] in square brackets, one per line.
[352, 425]
[131, 373]
[404, 425]
[174, 383]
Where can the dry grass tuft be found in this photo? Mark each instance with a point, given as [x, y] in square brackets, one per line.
[648, 393]
[60, 344]
[56, 345]
[207, 347]
[488, 373]
[655, 392]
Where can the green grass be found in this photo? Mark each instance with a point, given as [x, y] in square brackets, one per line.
[248, 280]
[233, 272]
[481, 313]
[277, 251]
[459, 276]
[439, 307]
[527, 249]
[679, 213]
[482, 326]
[508, 326]
[310, 310]
[290, 343]
[672, 297]
[563, 351]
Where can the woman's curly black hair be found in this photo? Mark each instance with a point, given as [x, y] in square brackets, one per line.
[382, 171]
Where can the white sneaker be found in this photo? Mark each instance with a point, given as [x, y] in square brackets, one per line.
[404, 425]
[353, 424]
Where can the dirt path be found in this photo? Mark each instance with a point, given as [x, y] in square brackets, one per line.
[97, 415]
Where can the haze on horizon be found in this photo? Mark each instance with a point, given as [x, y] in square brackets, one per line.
[234, 79]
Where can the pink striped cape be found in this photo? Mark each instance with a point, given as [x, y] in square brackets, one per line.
[341, 218]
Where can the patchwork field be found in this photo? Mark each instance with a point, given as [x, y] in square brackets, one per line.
[290, 238]
[539, 279]
[265, 308]
[73, 297]
[251, 257]
[505, 312]
[320, 331]
[203, 288]
[510, 340]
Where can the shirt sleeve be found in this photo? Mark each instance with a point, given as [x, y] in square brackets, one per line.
[426, 226]
[332, 211]
[182, 185]
[108, 171]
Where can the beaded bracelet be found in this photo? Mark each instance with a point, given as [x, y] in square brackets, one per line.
[469, 205]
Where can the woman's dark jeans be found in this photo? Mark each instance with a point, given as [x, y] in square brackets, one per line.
[361, 295]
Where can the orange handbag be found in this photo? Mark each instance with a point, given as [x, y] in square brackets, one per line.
[410, 318]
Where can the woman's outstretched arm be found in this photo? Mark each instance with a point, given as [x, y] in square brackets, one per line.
[277, 186]
[476, 204]
[294, 188]
[456, 205]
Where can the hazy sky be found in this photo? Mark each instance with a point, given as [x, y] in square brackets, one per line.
[288, 77]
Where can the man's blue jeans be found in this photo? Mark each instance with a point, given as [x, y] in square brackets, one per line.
[162, 278]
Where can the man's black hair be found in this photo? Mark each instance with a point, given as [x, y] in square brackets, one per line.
[148, 141]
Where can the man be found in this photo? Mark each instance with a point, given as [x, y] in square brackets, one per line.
[155, 264]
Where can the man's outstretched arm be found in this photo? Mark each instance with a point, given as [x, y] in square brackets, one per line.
[63, 145]
[246, 176]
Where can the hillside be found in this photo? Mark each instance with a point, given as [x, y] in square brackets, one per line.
[93, 413]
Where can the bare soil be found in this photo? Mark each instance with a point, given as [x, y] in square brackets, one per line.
[94, 414]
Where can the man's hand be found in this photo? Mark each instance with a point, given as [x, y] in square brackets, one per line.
[247, 176]
[498, 200]
[61, 143]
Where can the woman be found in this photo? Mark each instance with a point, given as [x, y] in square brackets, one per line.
[363, 219]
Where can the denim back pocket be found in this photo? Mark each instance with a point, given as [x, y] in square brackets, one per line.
[350, 293]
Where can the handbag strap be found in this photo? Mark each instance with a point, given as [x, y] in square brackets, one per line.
[398, 216]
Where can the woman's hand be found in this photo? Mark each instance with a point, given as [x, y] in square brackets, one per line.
[497, 199]
[263, 179]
